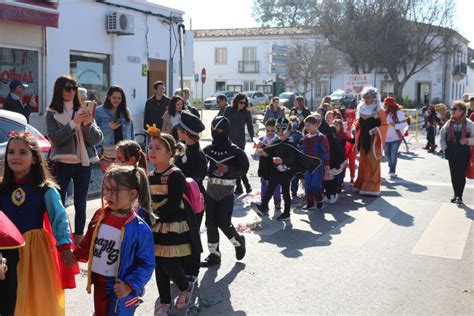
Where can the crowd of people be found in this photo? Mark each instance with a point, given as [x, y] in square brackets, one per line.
[154, 199]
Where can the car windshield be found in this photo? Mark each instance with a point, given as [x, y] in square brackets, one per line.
[285, 95]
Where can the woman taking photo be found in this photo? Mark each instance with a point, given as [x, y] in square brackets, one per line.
[273, 111]
[114, 120]
[455, 137]
[73, 135]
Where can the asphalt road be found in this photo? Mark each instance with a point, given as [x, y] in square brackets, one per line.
[408, 251]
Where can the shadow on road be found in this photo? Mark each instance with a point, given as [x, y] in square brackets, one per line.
[215, 296]
[292, 240]
[387, 210]
[469, 211]
[400, 182]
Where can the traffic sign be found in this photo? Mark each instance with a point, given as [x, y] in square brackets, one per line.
[196, 77]
[203, 75]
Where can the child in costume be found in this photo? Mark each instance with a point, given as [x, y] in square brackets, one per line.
[349, 130]
[30, 199]
[286, 160]
[315, 144]
[175, 232]
[263, 166]
[227, 162]
[118, 244]
[337, 141]
[296, 137]
[129, 153]
[10, 240]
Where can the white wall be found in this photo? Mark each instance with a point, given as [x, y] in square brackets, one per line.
[82, 27]
[204, 54]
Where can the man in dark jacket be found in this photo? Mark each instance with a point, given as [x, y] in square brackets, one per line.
[239, 116]
[14, 101]
[221, 104]
[156, 106]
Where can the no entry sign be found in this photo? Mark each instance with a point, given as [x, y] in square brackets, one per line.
[203, 75]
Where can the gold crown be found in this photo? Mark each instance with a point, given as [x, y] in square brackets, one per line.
[153, 130]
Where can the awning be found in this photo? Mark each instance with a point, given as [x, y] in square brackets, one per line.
[30, 12]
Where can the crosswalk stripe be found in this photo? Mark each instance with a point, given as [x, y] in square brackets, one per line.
[446, 234]
[362, 225]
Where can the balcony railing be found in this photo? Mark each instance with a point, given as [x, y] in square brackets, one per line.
[460, 70]
[249, 66]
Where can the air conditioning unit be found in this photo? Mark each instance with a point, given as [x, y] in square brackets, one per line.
[120, 23]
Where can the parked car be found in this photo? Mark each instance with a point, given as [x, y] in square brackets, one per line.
[12, 121]
[255, 97]
[340, 97]
[211, 102]
[287, 98]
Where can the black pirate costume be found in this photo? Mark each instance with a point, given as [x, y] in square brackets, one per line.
[293, 162]
[219, 195]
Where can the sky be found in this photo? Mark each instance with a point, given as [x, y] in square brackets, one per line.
[215, 14]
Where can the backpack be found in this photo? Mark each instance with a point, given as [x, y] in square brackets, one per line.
[192, 194]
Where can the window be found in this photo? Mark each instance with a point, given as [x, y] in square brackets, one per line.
[221, 55]
[220, 85]
[267, 89]
[249, 54]
[234, 87]
[19, 64]
[249, 85]
[7, 127]
[91, 71]
[387, 89]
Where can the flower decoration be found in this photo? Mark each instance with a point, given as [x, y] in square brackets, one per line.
[153, 130]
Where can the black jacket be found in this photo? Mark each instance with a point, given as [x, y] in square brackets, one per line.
[16, 106]
[238, 120]
[235, 158]
[154, 110]
[193, 164]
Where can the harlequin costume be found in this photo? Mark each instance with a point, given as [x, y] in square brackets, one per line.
[315, 145]
[41, 278]
[10, 240]
[219, 195]
[370, 146]
[116, 247]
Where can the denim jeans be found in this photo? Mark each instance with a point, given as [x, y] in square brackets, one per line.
[80, 176]
[391, 151]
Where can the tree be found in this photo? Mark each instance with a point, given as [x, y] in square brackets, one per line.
[308, 61]
[400, 37]
[283, 13]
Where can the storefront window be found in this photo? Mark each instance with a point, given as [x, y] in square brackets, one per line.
[91, 71]
[19, 64]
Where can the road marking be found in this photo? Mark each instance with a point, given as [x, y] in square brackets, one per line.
[446, 234]
[362, 225]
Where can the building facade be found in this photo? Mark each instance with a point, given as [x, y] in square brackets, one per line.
[245, 59]
[100, 43]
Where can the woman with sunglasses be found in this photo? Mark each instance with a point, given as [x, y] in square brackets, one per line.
[73, 134]
[239, 116]
[455, 137]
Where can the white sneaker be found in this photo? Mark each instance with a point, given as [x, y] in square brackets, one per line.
[163, 309]
[333, 199]
[392, 175]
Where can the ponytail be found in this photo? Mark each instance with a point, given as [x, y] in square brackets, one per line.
[130, 148]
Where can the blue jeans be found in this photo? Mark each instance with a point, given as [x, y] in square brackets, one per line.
[391, 151]
[80, 176]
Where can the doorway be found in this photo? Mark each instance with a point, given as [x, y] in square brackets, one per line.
[423, 93]
[156, 71]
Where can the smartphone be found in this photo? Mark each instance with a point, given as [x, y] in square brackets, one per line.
[89, 106]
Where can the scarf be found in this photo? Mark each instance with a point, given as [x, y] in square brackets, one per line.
[450, 132]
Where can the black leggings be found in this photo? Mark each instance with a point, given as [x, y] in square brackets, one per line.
[9, 286]
[170, 269]
[219, 215]
[457, 167]
[285, 190]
